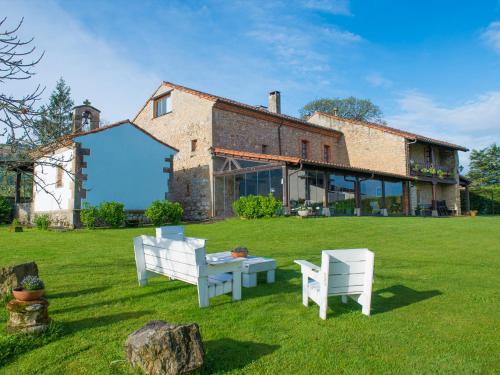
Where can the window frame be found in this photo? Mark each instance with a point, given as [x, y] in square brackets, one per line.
[304, 146]
[194, 145]
[327, 153]
[168, 104]
[265, 149]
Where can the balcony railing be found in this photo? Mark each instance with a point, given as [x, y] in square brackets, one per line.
[420, 168]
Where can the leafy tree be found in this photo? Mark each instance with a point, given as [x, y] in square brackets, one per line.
[485, 166]
[56, 118]
[351, 108]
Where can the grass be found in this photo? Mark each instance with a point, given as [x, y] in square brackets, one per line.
[434, 308]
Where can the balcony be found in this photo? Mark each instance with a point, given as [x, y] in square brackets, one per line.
[425, 169]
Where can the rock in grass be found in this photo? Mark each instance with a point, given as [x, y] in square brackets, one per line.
[28, 316]
[10, 277]
[161, 348]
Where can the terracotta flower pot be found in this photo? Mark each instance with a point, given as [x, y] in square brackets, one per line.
[240, 253]
[28, 295]
[473, 213]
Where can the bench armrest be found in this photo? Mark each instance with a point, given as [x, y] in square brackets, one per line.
[308, 269]
[231, 266]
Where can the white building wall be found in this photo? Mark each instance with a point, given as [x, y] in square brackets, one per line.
[47, 196]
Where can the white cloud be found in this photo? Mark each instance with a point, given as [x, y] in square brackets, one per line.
[491, 36]
[473, 124]
[92, 67]
[340, 7]
[378, 80]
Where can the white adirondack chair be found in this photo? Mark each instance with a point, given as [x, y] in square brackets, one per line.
[342, 273]
[174, 232]
[185, 261]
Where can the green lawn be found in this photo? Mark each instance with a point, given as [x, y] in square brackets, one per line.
[435, 306]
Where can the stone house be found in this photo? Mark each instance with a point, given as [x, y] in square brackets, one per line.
[118, 162]
[228, 149]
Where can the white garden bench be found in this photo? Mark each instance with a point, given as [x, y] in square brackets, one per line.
[185, 260]
[342, 273]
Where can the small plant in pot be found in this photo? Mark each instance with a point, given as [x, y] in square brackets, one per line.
[30, 289]
[303, 211]
[239, 252]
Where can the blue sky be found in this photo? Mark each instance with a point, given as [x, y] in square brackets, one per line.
[432, 66]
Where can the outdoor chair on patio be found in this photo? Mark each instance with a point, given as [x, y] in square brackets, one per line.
[185, 260]
[342, 273]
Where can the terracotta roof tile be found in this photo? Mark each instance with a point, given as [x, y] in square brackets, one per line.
[296, 160]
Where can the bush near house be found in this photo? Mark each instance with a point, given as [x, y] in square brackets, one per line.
[42, 222]
[5, 210]
[164, 212]
[257, 206]
[89, 215]
[112, 213]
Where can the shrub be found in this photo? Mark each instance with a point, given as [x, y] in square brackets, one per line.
[164, 212]
[32, 283]
[89, 215]
[5, 210]
[112, 213]
[42, 221]
[253, 207]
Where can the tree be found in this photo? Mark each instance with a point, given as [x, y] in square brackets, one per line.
[18, 115]
[485, 166]
[351, 108]
[56, 118]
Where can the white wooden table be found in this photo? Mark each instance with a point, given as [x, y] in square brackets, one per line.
[250, 266]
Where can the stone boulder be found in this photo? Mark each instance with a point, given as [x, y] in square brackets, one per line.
[28, 316]
[161, 348]
[10, 277]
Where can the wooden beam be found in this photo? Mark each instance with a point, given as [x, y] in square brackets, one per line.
[248, 170]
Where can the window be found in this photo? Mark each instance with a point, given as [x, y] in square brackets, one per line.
[162, 105]
[304, 146]
[326, 153]
[59, 176]
[264, 149]
[194, 143]
[428, 154]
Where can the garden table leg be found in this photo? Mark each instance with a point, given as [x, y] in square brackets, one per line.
[270, 276]
[249, 280]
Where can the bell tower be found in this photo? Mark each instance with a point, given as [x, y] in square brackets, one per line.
[85, 117]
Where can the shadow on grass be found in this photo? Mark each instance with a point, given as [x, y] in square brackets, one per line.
[383, 300]
[107, 301]
[397, 296]
[228, 354]
[76, 293]
[14, 345]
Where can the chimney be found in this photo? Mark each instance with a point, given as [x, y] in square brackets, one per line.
[274, 102]
[85, 117]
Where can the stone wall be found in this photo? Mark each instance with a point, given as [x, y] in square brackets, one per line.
[241, 132]
[190, 119]
[367, 147]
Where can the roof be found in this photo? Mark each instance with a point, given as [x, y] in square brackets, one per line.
[116, 124]
[250, 110]
[68, 139]
[395, 131]
[296, 160]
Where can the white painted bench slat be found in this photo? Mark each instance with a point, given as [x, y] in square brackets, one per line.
[184, 259]
[342, 273]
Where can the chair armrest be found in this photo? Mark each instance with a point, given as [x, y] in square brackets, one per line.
[306, 264]
[231, 266]
[309, 270]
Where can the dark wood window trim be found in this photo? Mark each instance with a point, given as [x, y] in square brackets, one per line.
[265, 149]
[327, 155]
[304, 149]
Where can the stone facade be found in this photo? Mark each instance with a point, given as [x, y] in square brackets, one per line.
[367, 147]
[190, 119]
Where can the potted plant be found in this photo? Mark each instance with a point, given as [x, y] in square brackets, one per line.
[239, 252]
[473, 213]
[303, 211]
[15, 226]
[30, 289]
